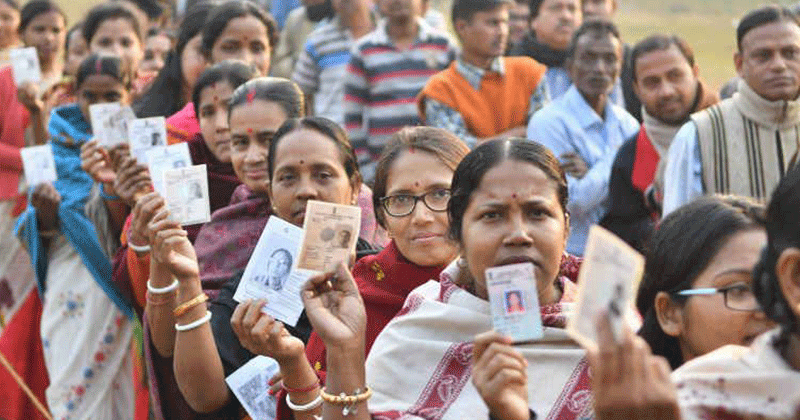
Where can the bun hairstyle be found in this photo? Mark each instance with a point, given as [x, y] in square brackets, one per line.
[473, 167]
[783, 232]
[682, 247]
[102, 64]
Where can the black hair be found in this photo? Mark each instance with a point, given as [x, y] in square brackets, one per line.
[34, 8]
[232, 71]
[102, 64]
[763, 16]
[783, 232]
[438, 142]
[221, 15]
[151, 8]
[660, 42]
[112, 10]
[165, 96]
[682, 247]
[281, 91]
[328, 129]
[535, 7]
[473, 167]
[465, 9]
[597, 27]
[76, 27]
[12, 3]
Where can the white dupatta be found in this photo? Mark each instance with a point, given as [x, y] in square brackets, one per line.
[736, 382]
[421, 363]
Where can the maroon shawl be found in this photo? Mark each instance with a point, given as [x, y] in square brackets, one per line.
[225, 243]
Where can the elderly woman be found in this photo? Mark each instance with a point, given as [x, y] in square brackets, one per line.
[508, 206]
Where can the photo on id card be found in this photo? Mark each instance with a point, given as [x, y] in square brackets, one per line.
[160, 159]
[145, 134]
[608, 280]
[330, 235]
[270, 272]
[187, 194]
[38, 164]
[25, 65]
[514, 302]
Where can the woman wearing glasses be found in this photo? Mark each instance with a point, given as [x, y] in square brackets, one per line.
[696, 295]
[411, 204]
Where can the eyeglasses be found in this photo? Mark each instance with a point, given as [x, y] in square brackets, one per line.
[404, 204]
[738, 297]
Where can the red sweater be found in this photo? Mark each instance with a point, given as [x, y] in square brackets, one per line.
[14, 121]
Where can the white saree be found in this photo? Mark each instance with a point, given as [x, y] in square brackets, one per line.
[421, 363]
[86, 341]
[736, 382]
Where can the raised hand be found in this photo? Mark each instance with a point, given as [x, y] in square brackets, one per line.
[500, 376]
[262, 334]
[335, 309]
[96, 162]
[628, 381]
[46, 200]
[143, 212]
[132, 181]
[170, 246]
[28, 95]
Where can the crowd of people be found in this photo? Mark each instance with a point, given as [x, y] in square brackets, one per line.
[499, 134]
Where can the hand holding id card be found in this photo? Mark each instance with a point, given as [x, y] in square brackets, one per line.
[270, 272]
[608, 280]
[330, 235]
[514, 302]
[39, 164]
[161, 159]
[250, 385]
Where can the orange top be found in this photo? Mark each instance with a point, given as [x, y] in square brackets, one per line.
[501, 103]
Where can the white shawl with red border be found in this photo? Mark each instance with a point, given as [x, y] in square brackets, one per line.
[420, 364]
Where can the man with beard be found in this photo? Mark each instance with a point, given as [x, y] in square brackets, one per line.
[299, 24]
[584, 128]
[665, 80]
[483, 95]
[744, 145]
[322, 65]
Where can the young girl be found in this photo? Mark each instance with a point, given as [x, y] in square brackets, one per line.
[237, 30]
[86, 324]
[116, 28]
[171, 90]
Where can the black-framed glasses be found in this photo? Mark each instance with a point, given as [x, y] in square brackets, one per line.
[404, 204]
[738, 297]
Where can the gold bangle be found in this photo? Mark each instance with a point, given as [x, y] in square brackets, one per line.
[347, 401]
[186, 306]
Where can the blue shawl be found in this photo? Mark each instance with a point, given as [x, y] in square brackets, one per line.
[68, 131]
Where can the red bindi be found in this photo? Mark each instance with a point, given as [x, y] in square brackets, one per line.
[249, 131]
[302, 162]
[514, 196]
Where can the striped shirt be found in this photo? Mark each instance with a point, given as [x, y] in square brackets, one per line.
[321, 68]
[382, 85]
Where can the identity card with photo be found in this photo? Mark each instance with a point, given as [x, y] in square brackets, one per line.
[250, 385]
[330, 235]
[145, 134]
[187, 194]
[110, 123]
[608, 280]
[38, 164]
[160, 159]
[514, 301]
[270, 273]
[25, 65]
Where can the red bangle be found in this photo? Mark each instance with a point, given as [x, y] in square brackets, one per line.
[300, 390]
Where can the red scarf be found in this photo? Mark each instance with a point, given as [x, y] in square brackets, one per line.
[645, 163]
